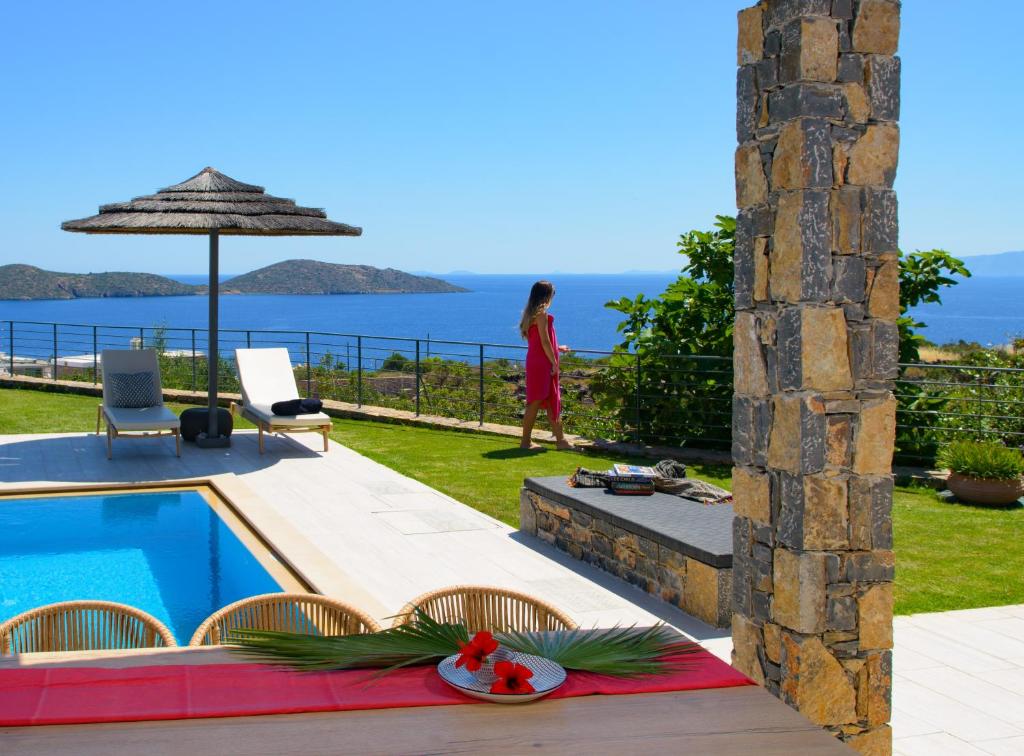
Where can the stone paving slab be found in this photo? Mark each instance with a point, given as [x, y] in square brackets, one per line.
[957, 688]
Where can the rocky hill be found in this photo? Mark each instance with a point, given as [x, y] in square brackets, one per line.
[1003, 265]
[288, 277]
[30, 282]
[313, 277]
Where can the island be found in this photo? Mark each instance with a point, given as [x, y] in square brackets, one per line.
[313, 277]
[27, 282]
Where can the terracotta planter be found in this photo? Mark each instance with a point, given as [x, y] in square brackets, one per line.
[982, 491]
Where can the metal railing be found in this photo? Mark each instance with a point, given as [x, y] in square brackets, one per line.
[657, 399]
[604, 395]
[942, 402]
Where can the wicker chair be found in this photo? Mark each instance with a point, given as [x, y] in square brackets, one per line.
[487, 608]
[307, 613]
[82, 626]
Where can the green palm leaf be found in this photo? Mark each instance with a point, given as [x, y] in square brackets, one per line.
[419, 642]
[620, 651]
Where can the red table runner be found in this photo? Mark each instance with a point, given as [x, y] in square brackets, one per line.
[79, 695]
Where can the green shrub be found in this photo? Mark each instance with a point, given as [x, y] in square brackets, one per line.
[396, 361]
[982, 460]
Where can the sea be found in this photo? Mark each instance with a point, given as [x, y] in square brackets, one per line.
[986, 310]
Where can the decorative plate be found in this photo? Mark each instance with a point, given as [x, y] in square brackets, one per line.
[547, 677]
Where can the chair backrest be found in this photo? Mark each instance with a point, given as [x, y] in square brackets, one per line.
[266, 375]
[130, 361]
[487, 608]
[306, 613]
[82, 626]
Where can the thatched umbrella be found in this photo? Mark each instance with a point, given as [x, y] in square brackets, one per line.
[214, 204]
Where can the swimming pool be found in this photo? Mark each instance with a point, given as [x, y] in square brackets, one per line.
[178, 554]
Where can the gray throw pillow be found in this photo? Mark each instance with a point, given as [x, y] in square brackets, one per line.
[133, 390]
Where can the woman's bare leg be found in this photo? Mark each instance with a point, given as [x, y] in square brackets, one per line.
[556, 429]
[529, 418]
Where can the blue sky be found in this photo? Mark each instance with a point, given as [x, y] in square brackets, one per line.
[493, 137]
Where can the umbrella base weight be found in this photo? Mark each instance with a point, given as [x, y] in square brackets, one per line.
[195, 420]
[205, 442]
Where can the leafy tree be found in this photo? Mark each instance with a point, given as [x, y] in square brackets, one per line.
[694, 315]
[922, 276]
[657, 385]
[670, 380]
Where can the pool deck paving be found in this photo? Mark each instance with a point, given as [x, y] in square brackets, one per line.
[364, 533]
[357, 529]
[958, 682]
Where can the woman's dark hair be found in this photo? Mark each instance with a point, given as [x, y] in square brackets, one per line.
[541, 295]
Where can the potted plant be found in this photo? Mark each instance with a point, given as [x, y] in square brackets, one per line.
[983, 473]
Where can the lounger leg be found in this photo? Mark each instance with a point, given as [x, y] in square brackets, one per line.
[177, 443]
[260, 426]
[110, 442]
[99, 414]
[324, 431]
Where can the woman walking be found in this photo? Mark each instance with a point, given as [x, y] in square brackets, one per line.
[537, 326]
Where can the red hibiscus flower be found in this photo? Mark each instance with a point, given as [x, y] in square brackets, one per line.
[512, 678]
[472, 654]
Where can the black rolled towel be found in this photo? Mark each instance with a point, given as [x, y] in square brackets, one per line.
[292, 407]
[288, 407]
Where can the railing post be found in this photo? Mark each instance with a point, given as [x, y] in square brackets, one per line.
[193, 359]
[54, 351]
[142, 338]
[10, 356]
[248, 339]
[359, 371]
[309, 367]
[481, 385]
[979, 408]
[95, 357]
[637, 398]
[417, 377]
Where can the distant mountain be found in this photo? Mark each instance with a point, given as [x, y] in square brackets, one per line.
[289, 277]
[313, 277]
[30, 282]
[1004, 265]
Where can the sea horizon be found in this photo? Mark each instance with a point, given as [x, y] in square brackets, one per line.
[980, 309]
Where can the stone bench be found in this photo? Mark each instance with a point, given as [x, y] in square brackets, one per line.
[677, 549]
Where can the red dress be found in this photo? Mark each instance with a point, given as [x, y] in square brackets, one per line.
[541, 385]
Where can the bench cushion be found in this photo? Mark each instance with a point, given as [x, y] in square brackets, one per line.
[702, 532]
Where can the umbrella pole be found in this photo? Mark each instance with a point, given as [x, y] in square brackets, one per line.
[213, 439]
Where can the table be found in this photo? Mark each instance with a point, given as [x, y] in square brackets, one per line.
[744, 720]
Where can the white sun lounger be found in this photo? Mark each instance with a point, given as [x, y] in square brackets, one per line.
[266, 377]
[151, 421]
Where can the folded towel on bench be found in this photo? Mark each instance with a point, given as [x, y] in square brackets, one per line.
[292, 407]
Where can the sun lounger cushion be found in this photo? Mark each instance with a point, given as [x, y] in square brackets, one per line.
[146, 418]
[133, 390]
[264, 413]
[297, 407]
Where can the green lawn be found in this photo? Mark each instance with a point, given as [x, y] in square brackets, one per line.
[948, 556]
[954, 556]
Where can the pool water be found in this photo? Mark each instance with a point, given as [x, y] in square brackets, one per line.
[167, 553]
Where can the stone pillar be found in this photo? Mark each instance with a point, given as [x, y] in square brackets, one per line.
[815, 355]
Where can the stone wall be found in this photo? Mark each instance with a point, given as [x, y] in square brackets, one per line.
[815, 355]
[697, 588]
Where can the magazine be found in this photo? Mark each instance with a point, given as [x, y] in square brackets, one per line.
[634, 471]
